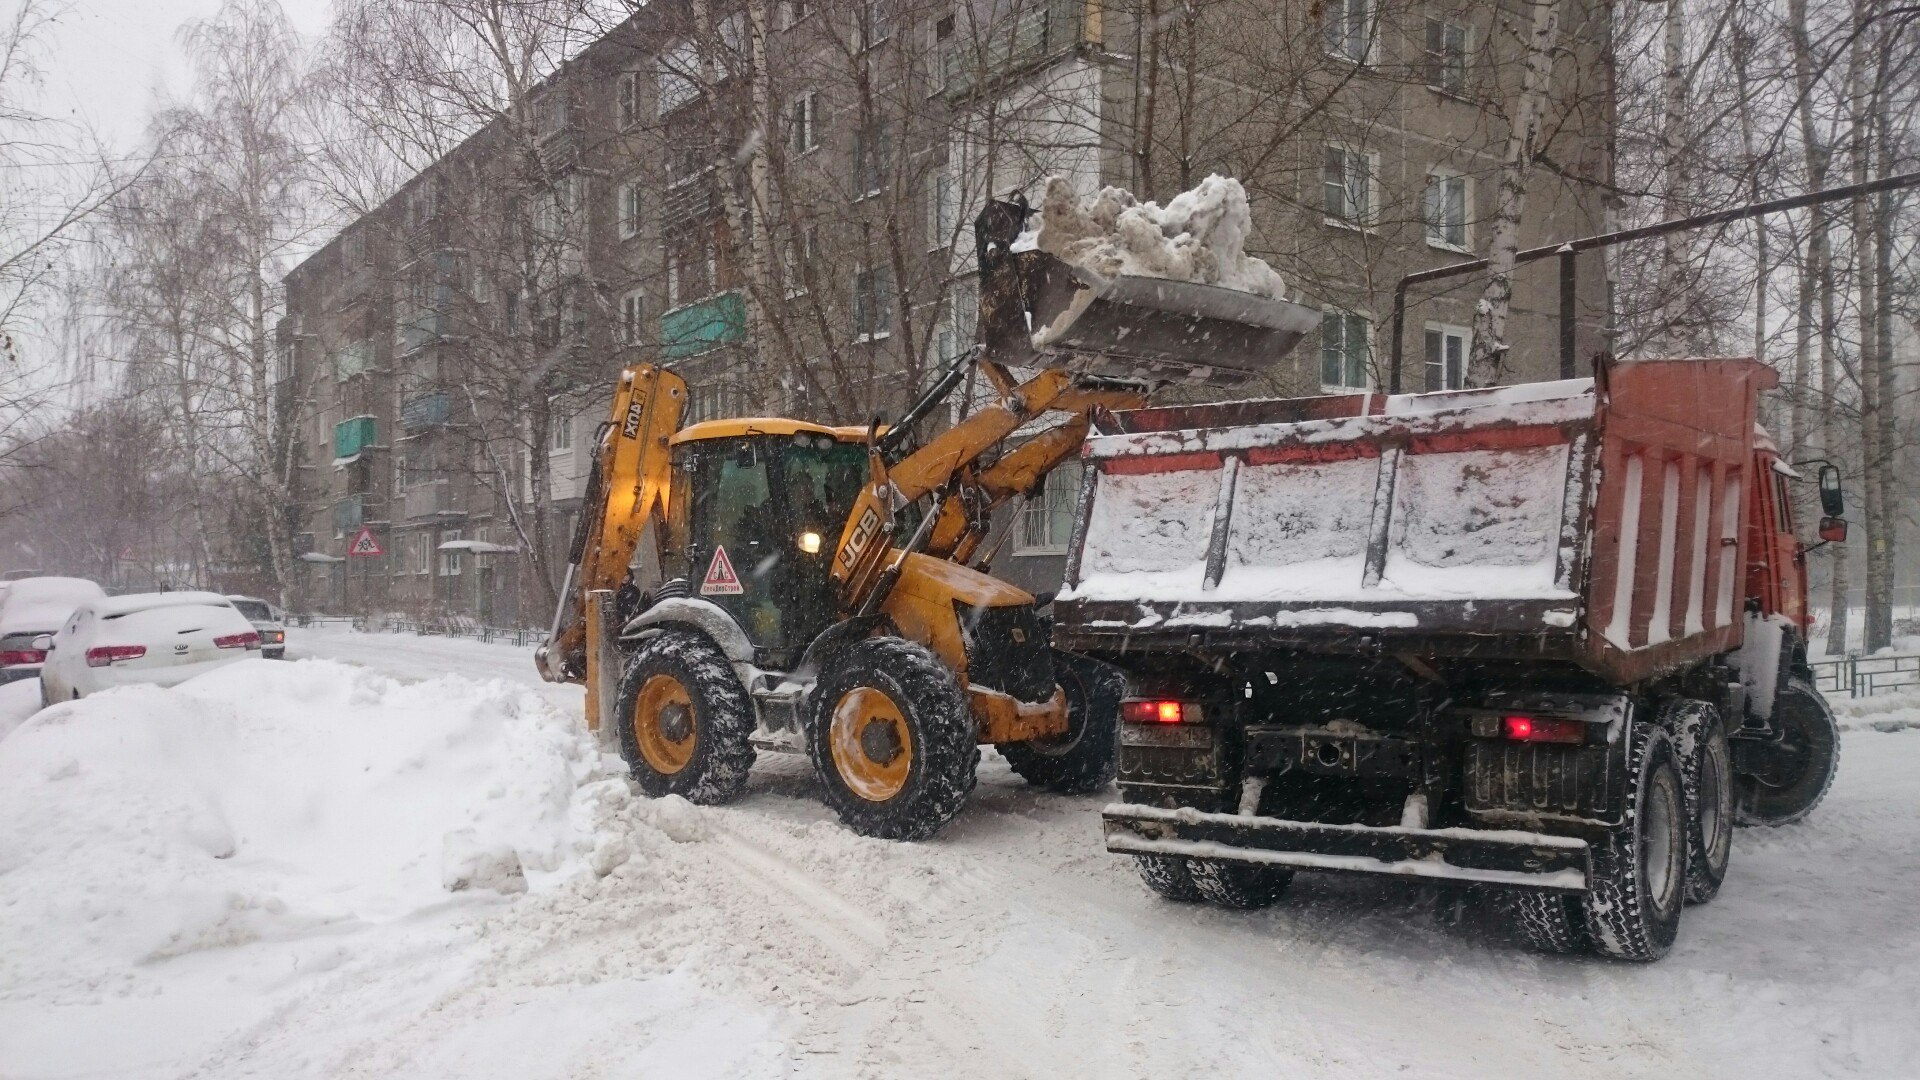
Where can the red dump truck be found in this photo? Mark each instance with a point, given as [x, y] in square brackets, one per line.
[1548, 639]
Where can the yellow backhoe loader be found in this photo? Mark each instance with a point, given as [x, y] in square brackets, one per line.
[776, 584]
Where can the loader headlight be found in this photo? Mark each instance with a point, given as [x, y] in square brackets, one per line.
[810, 543]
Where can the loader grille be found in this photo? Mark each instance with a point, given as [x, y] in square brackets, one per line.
[1008, 650]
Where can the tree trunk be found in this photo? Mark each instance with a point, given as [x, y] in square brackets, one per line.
[1488, 363]
[1675, 174]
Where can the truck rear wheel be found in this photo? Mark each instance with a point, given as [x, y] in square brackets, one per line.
[1085, 757]
[1241, 886]
[1795, 774]
[1639, 869]
[1552, 922]
[1706, 774]
[685, 721]
[892, 740]
[1169, 876]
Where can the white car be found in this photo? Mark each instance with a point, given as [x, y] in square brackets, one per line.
[35, 607]
[269, 620]
[156, 638]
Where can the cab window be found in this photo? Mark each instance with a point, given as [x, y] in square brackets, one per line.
[1782, 504]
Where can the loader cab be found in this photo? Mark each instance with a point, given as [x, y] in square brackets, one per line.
[758, 506]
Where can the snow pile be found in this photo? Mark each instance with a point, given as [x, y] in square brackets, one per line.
[265, 801]
[1200, 235]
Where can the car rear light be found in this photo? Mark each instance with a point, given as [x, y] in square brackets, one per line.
[248, 640]
[1160, 712]
[22, 656]
[102, 655]
[277, 636]
[1543, 729]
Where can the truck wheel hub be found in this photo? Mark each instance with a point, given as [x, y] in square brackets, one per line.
[870, 744]
[880, 740]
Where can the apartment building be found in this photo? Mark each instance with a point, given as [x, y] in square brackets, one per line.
[776, 201]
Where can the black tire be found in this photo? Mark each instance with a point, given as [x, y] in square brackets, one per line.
[1801, 769]
[1086, 757]
[1240, 886]
[1706, 776]
[1169, 876]
[928, 719]
[719, 719]
[1639, 868]
[1552, 922]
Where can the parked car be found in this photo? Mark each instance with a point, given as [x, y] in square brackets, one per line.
[34, 607]
[269, 620]
[157, 638]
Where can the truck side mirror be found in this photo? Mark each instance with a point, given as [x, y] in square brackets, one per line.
[1833, 530]
[1833, 502]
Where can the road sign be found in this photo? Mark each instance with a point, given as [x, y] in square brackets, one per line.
[720, 576]
[364, 543]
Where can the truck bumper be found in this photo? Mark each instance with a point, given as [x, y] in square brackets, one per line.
[1479, 856]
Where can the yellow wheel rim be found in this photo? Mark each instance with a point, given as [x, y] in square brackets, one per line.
[872, 748]
[663, 724]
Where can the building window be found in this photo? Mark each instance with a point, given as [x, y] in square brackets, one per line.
[870, 148]
[1446, 211]
[1446, 357]
[450, 560]
[876, 25]
[551, 112]
[678, 66]
[791, 12]
[1046, 521]
[1346, 354]
[627, 100]
[872, 303]
[1446, 56]
[940, 211]
[559, 427]
[939, 33]
[797, 257]
[802, 115]
[1347, 186]
[629, 210]
[1349, 26]
[633, 309]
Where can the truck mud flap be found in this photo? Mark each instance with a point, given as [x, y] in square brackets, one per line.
[1480, 856]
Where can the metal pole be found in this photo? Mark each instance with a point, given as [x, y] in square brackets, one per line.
[1602, 240]
[1569, 267]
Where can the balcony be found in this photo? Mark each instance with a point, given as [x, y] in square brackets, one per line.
[430, 500]
[427, 410]
[1040, 30]
[696, 328]
[353, 436]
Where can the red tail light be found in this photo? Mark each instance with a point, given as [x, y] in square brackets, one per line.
[22, 656]
[1160, 712]
[102, 655]
[248, 640]
[1543, 729]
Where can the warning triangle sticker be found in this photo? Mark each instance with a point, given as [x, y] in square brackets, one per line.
[364, 543]
[720, 576]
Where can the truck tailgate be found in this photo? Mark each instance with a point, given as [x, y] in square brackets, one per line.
[1416, 513]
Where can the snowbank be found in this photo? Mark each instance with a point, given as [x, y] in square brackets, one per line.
[1200, 235]
[267, 800]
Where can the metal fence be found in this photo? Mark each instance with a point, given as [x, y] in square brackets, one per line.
[519, 636]
[1865, 676]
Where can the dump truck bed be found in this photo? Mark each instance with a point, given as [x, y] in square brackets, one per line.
[1599, 524]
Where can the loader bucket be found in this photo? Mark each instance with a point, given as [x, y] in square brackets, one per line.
[1155, 330]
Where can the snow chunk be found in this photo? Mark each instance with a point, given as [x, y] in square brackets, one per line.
[1200, 235]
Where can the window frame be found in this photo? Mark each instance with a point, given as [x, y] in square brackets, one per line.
[559, 426]
[673, 90]
[1436, 58]
[942, 211]
[633, 314]
[1435, 178]
[872, 318]
[1368, 210]
[1445, 331]
[803, 135]
[1343, 317]
[1061, 484]
[626, 98]
[449, 560]
[1369, 35]
[627, 203]
[871, 152]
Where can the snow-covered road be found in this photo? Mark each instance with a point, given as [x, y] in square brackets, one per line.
[762, 939]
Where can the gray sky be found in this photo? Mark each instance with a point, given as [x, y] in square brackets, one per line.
[109, 61]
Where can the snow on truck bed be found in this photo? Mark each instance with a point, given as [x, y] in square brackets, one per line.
[1466, 525]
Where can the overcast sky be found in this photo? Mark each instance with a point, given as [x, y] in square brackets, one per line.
[108, 61]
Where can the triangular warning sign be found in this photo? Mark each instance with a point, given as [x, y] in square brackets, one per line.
[364, 543]
[720, 576]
